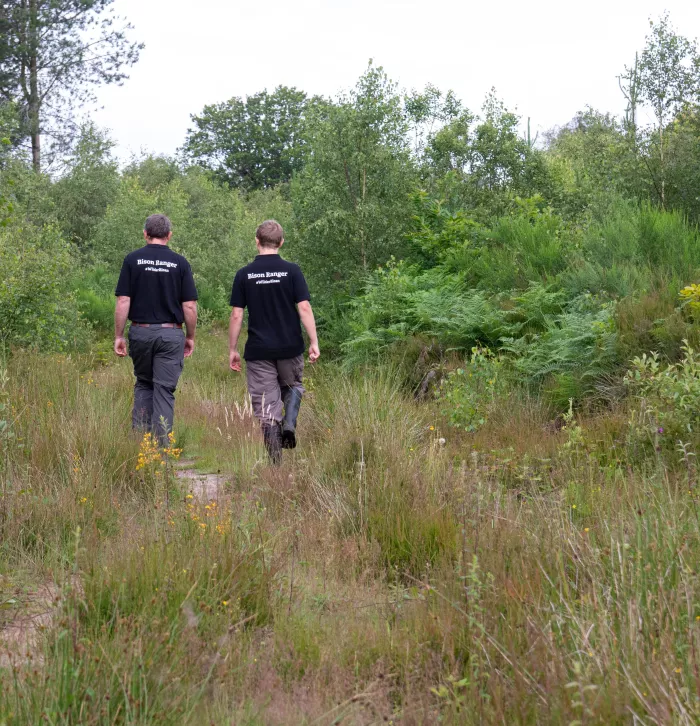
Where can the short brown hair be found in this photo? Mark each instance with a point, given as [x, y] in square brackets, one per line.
[270, 234]
[157, 226]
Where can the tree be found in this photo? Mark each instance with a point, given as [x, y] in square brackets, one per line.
[428, 112]
[254, 143]
[669, 80]
[90, 185]
[483, 162]
[351, 200]
[629, 85]
[7, 78]
[38, 305]
[682, 163]
[597, 156]
[53, 54]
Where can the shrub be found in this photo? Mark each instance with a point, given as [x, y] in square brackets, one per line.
[468, 394]
[95, 297]
[38, 306]
[668, 400]
[646, 236]
[572, 356]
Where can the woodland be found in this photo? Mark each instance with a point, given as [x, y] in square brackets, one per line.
[493, 514]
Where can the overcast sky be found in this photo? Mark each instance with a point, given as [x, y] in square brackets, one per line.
[549, 58]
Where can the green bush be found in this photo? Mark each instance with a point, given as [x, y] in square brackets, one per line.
[643, 237]
[39, 308]
[468, 394]
[667, 414]
[95, 297]
[575, 353]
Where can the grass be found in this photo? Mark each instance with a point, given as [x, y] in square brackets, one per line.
[521, 574]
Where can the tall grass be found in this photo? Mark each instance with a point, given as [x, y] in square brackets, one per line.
[392, 569]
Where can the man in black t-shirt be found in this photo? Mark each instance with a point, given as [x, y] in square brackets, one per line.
[156, 291]
[277, 297]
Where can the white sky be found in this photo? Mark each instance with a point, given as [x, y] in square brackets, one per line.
[549, 59]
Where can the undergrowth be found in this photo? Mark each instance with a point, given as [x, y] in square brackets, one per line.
[534, 570]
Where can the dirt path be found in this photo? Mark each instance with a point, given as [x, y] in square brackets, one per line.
[204, 487]
[27, 617]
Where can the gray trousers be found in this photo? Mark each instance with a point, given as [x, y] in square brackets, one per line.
[158, 355]
[269, 381]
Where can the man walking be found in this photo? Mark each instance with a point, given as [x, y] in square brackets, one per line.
[156, 291]
[277, 297]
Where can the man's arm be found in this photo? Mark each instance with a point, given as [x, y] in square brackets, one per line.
[234, 332]
[121, 313]
[189, 310]
[309, 322]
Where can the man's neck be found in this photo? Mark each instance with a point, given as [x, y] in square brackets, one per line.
[267, 251]
[154, 241]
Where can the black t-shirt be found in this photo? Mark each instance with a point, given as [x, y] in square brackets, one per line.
[270, 288]
[158, 281]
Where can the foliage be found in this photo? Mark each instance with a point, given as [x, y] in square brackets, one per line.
[669, 81]
[468, 394]
[38, 306]
[57, 52]
[690, 298]
[481, 163]
[592, 155]
[83, 195]
[573, 356]
[6, 433]
[254, 143]
[95, 299]
[427, 112]
[389, 544]
[668, 399]
[351, 199]
[669, 70]
[499, 287]
[682, 163]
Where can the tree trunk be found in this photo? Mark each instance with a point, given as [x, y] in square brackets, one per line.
[34, 105]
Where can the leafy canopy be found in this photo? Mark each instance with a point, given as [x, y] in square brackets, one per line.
[254, 143]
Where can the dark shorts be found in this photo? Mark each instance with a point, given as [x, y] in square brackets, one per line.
[268, 380]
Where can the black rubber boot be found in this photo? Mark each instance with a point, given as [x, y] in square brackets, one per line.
[292, 403]
[272, 435]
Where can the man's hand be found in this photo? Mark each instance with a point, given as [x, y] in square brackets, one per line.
[307, 320]
[189, 310]
[120, 346]
[121, 312]
[234, 361]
